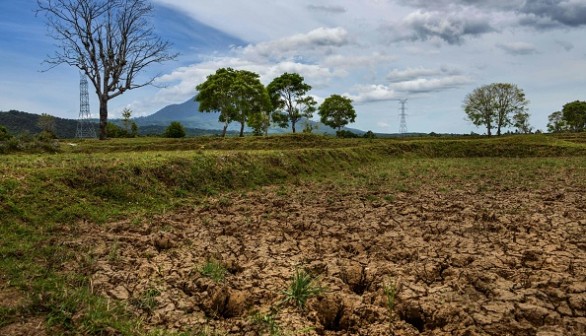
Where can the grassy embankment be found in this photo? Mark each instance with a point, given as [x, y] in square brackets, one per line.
[43, 197]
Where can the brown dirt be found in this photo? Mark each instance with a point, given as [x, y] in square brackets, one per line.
[11, 298]
[501, 262]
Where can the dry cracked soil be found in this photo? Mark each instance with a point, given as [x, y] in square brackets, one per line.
[460, 262]
[455, 262]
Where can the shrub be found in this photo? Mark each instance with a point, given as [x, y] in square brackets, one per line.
[369, 135]
[4, 135]
[346, 134]
[115, 131]
[174, 130]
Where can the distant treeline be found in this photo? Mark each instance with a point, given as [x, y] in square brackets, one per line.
[17, 122]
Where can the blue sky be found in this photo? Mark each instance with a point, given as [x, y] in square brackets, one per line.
[375, 51]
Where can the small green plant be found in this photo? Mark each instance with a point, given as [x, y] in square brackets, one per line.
[114, 252]
[147, 300]
[268, 322]
[302, 287]
[214, 270]
[390, 290]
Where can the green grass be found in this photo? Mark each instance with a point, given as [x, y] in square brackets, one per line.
[45, 197]
[302, 287]
[214, 270]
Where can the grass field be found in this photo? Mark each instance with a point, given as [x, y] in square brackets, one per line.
[73, 221]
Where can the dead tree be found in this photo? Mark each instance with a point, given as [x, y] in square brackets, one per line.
[111, 41]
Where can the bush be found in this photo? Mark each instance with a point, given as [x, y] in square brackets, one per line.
[346, 134]
[115, 131]
[174, 130]
[369, 135]
[4, 135]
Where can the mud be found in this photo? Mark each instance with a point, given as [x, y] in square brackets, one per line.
[463, 262]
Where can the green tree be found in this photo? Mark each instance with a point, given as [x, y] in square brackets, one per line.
[235, 94]
[574, 114]
[557, 123]
[252, 101]
[337, 111]
[134, 129]
[214, 95]
[111, 42]
[129, 125]
[46, 123]
[4, 135]
[289, 98]
[115, 131]
[495, 106]
[521, 122]
[174, 130]
[126, 115]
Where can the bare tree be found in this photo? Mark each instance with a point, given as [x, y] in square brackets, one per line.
[111, 41]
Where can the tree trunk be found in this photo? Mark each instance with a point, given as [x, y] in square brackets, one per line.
[225, 129]
[488, 130]
[498, 130]
[242, 129]
[293, 125]
[103, 117]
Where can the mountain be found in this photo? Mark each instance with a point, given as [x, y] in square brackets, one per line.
[188, 114]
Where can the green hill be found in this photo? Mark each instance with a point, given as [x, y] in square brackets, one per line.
[18, 122]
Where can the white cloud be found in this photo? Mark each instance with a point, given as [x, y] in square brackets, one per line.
[372, 93]
[518, 48]
[424, 85]
[401, 75]
[321, 40]
[449, 26]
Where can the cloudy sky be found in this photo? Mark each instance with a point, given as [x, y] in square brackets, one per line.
[374, 51]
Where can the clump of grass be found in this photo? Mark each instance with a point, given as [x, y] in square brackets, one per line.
[147, 301]
[79, 311]
[214, 270]
[390, 291]
[268, 322]
[302, 287]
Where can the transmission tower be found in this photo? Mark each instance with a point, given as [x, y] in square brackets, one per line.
[85, 128]
[403, 124]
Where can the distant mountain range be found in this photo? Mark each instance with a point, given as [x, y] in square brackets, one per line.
[195, 122]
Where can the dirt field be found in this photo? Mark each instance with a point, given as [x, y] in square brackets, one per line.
[464, 262]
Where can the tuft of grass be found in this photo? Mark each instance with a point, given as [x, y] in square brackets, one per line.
[268, 322]
[302, 287]
[147, 301]
[390, 291]
[214, 270]
[72, 310]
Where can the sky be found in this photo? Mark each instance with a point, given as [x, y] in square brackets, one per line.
[376, 52]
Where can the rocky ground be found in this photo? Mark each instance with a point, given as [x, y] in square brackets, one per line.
[456, 262]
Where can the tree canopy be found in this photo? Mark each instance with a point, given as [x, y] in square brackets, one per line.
[289, 98]
[237, 94]
[572, 118]
[574, 114]
[110, 41]
[337, 111]
[497, 105]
